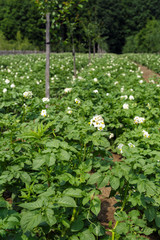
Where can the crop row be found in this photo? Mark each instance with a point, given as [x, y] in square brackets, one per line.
[152, 61]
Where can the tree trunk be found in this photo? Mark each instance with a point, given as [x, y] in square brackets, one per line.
[99, 51]
[89, 50]
[47, 53]
[94, 49]
[74, 56]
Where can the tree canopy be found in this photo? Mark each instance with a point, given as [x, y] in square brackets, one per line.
[110, 22]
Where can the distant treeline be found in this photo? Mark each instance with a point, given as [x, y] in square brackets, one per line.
[115, 26]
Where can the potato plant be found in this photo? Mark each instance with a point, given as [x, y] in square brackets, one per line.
[55, 160]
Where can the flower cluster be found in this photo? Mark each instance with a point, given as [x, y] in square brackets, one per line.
[7, 81]
[27, 94]
[111, 135]
[125, 97]
[69, 111]
[98, 122]
[145, 134]
[125, 106]
[66, 90]
[4, 90]
[131, 97]
[12, 85]
[95, 80]
[43, 113]
[45, 99]
[95, 91]
[131, 145]
[77, 101]
[139, 120]
[120, 147]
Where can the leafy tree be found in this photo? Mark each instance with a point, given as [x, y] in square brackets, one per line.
[23, 16]
[146, 40]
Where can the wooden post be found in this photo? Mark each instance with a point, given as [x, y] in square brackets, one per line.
[74, 56]
[89, 50]
[47, 53]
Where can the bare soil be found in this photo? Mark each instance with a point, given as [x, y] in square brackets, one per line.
[147, 73]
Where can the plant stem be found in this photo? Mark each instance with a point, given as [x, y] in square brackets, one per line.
[73, 215]
[84, 156]
[123, 205]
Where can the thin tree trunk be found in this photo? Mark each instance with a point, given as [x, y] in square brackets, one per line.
[47, 53]
[74, 56]
[99, 51]
[94, 49]
[89, 50]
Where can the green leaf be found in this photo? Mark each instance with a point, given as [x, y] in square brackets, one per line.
[73, 238]
[52, 159]
[67, 201]
[49, 217]
[157, 220]
[122, 228]
[32, 205]
[94, 178]
[87, 235]
[147, 231]
[97, 229]
[77, 225]
[150, 213]
[141, 186]
[73, 192]
[115, 182]
[66, 223]
[134, 214]
[25, 177]
[103, 181]
[53, 144]
[37, 163]
[95, 205]
[150, 188]
[64, 155]
[30, 220]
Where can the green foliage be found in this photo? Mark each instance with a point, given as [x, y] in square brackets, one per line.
[53, 165]
[19, 44]
[146, 40]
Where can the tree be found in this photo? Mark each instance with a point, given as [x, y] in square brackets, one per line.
[22, 16]
[58, 9]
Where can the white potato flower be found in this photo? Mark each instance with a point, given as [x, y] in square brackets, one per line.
[141, 81]
[7, 81]
[122, 89]
[95, 80]
[43, 113]
[12, 85]
[125, 97]
[69, 111]
[98, 122]
[77, 101]
[131, 145]
[45, 99]
[111, 135]
[125, 106]
[139, 120]
[66, 90]
[4, 90]
[95, 91]
[28, 94]
[145, 134]
[131, 97]
[120, 146]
